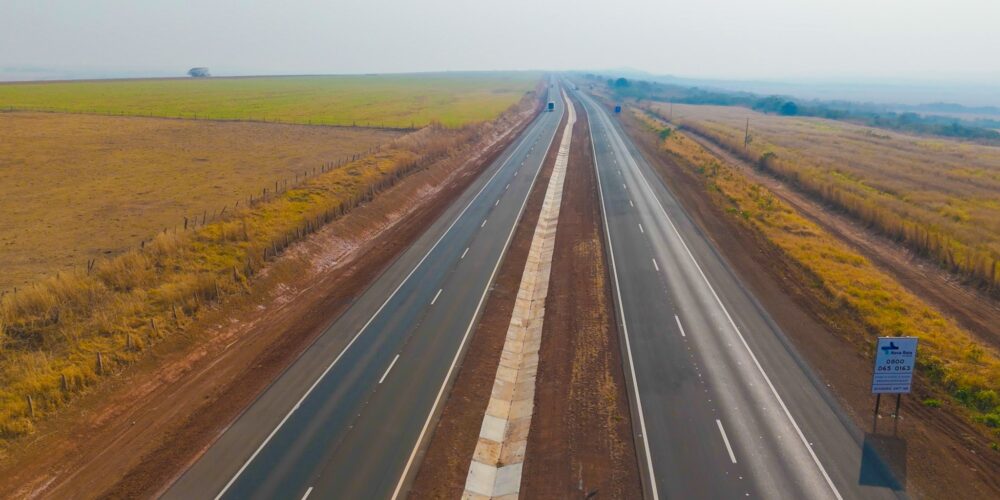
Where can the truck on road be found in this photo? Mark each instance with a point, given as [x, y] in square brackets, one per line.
[551, 106]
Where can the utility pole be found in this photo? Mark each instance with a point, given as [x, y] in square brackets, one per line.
[746, 135]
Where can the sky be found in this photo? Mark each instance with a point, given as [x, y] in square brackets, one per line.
[805, 40]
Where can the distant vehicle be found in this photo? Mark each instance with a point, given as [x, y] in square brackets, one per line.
[552, 106]
[618, 108]
[199, 73]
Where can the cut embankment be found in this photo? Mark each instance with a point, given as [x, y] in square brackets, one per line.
[974, 309]
[832, 302]
[199, 381]
[934, 196]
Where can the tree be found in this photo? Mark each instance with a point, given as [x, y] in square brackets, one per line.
[198, 73]
[789, 108]
[621, 83]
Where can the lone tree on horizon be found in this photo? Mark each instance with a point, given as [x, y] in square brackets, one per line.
[198, 73]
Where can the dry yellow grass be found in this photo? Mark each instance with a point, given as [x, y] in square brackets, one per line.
[51, 332]
[949, 356]
[78, 187]
[940, 197]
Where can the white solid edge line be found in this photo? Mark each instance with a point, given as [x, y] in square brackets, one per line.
[387, 370]
[732, 456]
[372, 318]
[472, 322]
[760, 368]
[621, 310]
[657, 266]
[436, 295]
[463, 253]
[308, 492]
[679, 325]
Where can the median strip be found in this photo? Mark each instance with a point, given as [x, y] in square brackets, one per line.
[496, 465]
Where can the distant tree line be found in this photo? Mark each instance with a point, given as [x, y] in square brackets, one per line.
[862, 113]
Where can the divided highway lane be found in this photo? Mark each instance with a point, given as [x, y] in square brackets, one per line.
[725, 407]
[348, 418]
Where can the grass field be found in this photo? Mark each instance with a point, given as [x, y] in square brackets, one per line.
[940, 197]
[77, 187]
[62, 335]
[950, 357]
[399, 101]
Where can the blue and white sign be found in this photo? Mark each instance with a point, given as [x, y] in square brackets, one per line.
[894, 360]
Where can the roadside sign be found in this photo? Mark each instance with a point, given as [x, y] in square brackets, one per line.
[894, 360]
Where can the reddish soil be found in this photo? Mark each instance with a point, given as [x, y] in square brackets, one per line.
[580, 443]
[942, 454]
[973, 309]
[446, 461]
[133, 435]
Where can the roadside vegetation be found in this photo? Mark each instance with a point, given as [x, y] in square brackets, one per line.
[938, 197]
[84, 187]
[383, 101]
[62, 335]
[940, 119]
[950, 358]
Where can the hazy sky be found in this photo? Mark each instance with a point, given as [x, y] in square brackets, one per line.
[770, 39]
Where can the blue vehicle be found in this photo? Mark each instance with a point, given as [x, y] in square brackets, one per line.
[552, 106]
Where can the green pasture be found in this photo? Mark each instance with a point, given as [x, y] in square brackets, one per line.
[399, 101]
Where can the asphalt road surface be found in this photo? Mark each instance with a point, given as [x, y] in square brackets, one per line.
[348, 418]
[724, 407]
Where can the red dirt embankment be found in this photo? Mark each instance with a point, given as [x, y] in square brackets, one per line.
[973, 309]
[580, 443]
[944, 456]
[133, 435]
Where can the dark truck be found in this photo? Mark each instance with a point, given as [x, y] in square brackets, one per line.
[551, 106]
[618, 108]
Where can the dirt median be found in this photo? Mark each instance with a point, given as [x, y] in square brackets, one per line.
[580, 443]
[943, 456]
[131, 436]
[446, 462]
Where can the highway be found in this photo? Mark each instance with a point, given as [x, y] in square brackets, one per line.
[723, 407]
[349, 417]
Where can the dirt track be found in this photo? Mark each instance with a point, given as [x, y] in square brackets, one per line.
[973, 309]
[943, 456]
[129, 438]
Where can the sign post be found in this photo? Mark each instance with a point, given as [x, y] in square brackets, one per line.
[894, 361]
